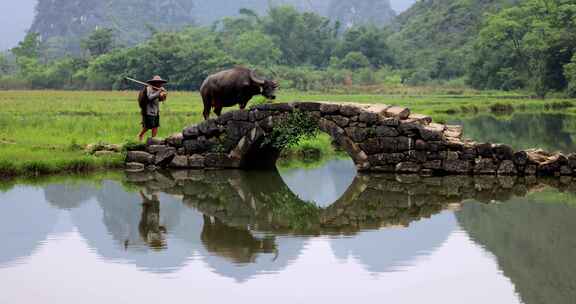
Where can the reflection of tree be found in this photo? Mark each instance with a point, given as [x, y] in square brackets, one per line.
[533, 242]
[524, 130]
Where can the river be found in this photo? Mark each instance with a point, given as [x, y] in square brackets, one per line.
[321, 234]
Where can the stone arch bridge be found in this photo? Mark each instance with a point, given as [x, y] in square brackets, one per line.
[378, 138]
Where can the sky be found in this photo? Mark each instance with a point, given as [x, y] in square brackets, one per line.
[16, 17]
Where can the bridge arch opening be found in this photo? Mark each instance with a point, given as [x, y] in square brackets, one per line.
[258, 151]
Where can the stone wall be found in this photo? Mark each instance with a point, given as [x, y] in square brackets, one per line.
[379, 138]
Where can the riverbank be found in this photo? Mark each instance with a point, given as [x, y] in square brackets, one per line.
[46, 132]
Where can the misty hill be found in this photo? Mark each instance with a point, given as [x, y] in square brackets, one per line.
[63, 23]
[349, 13]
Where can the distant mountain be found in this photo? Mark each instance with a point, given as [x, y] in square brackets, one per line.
[63, 23]
[434, 34]
[348, 12]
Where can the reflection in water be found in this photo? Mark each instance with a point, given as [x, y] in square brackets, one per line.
[243, 225]
[150, 229]
[111, 222]
[236, 244]
[24, 224]
[68, 196]
[323, 185]
[397, 246]
[550, 131]
[533, 242]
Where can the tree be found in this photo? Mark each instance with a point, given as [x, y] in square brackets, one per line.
[4, 65]
[27, 55]
[303, 38]
[370, 41]
[29, 47]
[355, 61]
[570, 74]
[526, 46]
[256, 48]
[186, 58]
[100, 41]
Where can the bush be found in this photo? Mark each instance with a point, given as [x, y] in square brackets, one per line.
[365, 77]
[291, 130]
[354, 61]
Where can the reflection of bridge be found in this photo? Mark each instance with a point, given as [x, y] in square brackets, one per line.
[244, 206]
[263, 201]
[378, 138]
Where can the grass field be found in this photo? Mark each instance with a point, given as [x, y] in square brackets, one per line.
[46, 131]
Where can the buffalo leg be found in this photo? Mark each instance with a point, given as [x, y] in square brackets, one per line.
[207, 107]
[206, 113]
[243, 104]
[218, 110]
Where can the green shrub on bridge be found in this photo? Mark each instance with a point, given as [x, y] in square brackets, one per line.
[297, 125]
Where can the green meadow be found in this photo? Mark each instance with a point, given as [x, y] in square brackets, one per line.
[46, 131]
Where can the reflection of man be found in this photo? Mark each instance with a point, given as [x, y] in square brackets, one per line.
[236, 244]
[149, 227]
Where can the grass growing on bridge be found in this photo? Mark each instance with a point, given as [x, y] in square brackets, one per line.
[45, 131]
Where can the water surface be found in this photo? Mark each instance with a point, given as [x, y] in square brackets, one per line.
[293, 236]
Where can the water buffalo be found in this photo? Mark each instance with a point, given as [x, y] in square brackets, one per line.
[234, 86]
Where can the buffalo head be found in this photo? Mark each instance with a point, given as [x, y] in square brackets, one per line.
[268, 86]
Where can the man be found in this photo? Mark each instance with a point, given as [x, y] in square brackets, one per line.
[149, 100]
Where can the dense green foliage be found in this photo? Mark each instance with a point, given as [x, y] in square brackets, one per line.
[286, 42]
[433, 39]
[570, 73]
[100, 41]
[291, 130]
[488, 44]
[527, 45]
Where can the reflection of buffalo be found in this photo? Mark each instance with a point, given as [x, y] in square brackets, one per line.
[237, 244]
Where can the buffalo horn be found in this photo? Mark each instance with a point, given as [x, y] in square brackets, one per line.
[256, 79]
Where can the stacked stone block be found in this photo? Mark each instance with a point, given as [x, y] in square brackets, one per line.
[379, 138]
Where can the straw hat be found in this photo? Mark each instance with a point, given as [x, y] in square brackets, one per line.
[156, 79]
